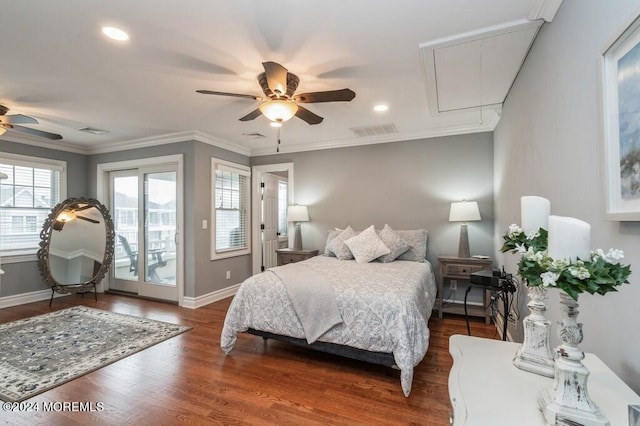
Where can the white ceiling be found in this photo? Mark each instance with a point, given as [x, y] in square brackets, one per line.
[56, 66]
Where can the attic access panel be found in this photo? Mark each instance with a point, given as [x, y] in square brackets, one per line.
[475, 69]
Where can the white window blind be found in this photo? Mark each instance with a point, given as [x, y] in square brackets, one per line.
[231, 209]
[33, 187]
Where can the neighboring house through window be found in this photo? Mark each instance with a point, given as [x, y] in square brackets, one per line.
[33, 187]
[230, 230]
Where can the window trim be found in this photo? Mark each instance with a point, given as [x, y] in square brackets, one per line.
[34, 162]
[218, 164]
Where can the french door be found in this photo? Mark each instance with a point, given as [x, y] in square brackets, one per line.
[144, 206]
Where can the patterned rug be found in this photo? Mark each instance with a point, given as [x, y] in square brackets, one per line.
[42, 352]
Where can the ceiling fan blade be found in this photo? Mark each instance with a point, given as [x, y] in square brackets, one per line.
[88, 219]
[306, 115]
[236, 95]
[252, 115]
[34, 132]
[276, 77]
[342, 95]
[18, 119]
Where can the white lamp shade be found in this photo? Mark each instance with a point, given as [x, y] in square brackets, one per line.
[297, 214]
[279, 110]
[464, 211]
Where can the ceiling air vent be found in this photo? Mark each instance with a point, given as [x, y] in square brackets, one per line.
[93, 131]
[382, 129]
[254, 135]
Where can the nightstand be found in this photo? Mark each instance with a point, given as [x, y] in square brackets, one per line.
[457, 268]
[288, 255]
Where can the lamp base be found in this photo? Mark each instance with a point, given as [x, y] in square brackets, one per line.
[463, 244]
[297, 239]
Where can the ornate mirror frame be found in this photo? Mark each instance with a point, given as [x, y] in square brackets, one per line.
[45, 241]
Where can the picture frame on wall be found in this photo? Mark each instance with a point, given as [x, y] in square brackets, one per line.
[621, 119]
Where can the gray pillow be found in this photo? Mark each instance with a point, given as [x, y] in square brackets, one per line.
[394, 242]
[339, 248]
[417, 238]
[330, 236]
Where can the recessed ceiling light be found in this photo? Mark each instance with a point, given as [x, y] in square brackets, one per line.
[381, 108]
[115, 33]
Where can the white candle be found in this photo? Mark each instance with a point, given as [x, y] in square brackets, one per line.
[534, 213]
[569, 238]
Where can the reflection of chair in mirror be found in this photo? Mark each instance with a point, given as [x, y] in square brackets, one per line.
[155, 256]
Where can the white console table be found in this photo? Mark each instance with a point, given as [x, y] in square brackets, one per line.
[485, 387]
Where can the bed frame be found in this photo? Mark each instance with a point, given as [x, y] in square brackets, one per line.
[380, 358]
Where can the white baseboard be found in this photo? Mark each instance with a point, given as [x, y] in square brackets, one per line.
[200, 301]
[21, 299]
[498, 320]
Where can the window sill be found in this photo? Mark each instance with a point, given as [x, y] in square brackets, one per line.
[19, 258]
[233, 253]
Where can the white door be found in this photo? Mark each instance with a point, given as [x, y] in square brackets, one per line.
[270, 234]
[144, 209]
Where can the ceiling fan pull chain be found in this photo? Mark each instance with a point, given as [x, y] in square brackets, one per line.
[278, 146]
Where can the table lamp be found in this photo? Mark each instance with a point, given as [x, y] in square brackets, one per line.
[297, 214]
[464, 211]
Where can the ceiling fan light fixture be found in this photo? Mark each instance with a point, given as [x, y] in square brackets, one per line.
[276, 124]
[115, 33]
[66, 216]
[279, 110]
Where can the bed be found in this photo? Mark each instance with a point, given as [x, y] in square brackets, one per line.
[383, 309]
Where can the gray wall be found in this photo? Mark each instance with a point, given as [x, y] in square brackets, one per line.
[202, 276]
[25, 277]
[408, 185]
[549, 143]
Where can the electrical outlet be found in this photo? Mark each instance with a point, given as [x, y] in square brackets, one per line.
[228, 275]
[453, 285]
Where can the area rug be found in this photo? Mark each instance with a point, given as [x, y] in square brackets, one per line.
[42, 352]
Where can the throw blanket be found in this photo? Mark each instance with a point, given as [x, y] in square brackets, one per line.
[312, 297]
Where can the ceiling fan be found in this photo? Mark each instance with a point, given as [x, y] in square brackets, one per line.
[68, 215]
[13, 122]
[279, 103]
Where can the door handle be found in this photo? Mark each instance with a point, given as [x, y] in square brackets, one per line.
[175, 238]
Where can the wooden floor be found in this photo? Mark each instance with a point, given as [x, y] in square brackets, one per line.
[189, 380]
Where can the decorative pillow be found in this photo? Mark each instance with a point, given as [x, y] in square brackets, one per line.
[417, 238]
[339, 248]
[394, 242]
[366, 246]
[330, 236]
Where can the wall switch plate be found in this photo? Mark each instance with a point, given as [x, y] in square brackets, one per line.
[228, 275]
[453, 285]
[204, 224]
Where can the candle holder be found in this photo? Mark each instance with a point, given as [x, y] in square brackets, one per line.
[535, 354]
[568, 401]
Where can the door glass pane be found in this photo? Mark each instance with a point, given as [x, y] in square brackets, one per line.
[125, 220]
[160, 227]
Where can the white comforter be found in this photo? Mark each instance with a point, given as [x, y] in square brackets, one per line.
[384, 308]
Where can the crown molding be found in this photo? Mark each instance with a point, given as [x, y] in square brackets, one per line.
[168, 139]
[486, 126]
[39, 142]
[544, 9]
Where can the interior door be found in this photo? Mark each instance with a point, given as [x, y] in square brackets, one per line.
[144, 206]
[270, 233]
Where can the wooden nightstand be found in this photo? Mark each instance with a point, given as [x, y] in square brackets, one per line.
[457, 268]
[288, 255]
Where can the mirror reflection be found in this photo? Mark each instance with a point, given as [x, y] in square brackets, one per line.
[76, 246]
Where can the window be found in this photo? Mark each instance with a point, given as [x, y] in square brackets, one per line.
[231, 209]
[283, 202]
[33, 187]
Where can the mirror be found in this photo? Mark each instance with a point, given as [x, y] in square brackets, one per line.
[76, 247]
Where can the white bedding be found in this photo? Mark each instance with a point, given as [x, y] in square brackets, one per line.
[384, 306]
